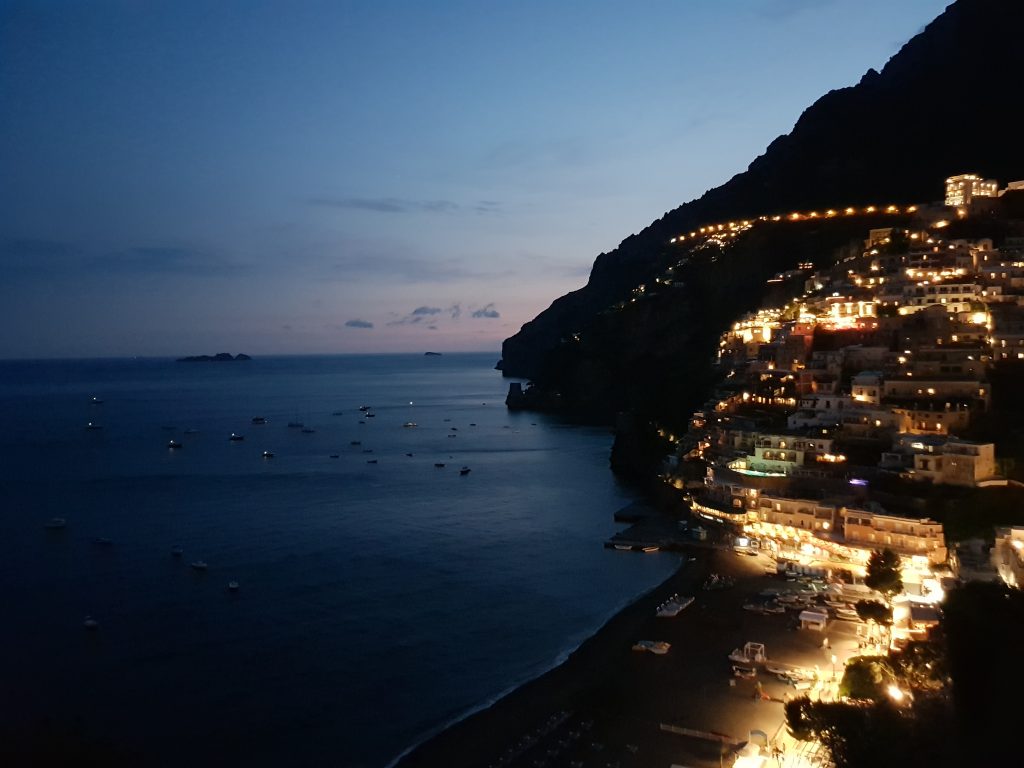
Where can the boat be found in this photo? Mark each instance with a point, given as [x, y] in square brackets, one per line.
[96, 401]
[371, 415]
[338, 413]
[439, 465]
[333, 456]
[355, 442]
[232, 586]
[90, 425]
[673, 607]
[452, 435]
[846, 614]
[364, 408]
[454, 429]
[744, 672]
[308, 430]
[199, 565]
[624, 547]
[268, 455]
[371, 461]
[738, 654]
[258, 420]
[55, 523]
[408, 454]
[754, 607]
[472, 424]
[659, 647]
[173, 444]
[90, 623]
[464, 471]
[410, 424]
[774, 608]
[236, 438]
[295, 424]
[650, 549]
[177, 551]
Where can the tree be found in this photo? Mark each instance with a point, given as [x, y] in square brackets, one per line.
[864, 678]
[872, 610]
[884, 573]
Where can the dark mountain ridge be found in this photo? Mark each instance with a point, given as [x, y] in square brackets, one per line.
[946, 103]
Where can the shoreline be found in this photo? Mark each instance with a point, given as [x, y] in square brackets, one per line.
[609, 705]
[562, 659]
[481, 735]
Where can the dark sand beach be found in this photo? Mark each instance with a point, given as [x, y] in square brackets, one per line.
[605, 705]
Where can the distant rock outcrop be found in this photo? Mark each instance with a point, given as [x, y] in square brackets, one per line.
[220, 357]
[944, 104]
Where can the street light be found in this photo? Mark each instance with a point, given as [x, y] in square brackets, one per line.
[833, 666]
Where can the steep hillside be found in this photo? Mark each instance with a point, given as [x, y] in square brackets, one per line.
[945, 104]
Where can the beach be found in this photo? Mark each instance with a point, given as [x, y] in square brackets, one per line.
[606, 704]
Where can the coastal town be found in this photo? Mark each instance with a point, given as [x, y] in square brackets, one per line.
[841, 485]
[843, 410]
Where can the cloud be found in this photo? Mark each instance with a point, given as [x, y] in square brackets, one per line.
[488, 311]
[38, 257]
[403, 205]
[372, 261]
[385, 204]
[429, 315]
[358, 324]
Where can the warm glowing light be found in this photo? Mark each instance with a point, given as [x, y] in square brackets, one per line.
[895, 693]
[941, 224]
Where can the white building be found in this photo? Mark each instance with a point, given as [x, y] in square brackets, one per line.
[962, 189]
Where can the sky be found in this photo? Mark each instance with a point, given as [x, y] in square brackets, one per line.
[188, 177]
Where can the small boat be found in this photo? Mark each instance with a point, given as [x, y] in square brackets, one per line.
[624, 547]
[744, 672]
[371, 415]
[333, 456]
[91, 624]
[308, 430]
[232, 586]
[410, 424]
[338, 413]
[367, 450]
[846, 614]
[91, 425]
[258, 420]
[774, 608]
[452, 435]
[173, 444]
[650, 549]
[364, 408]
[464, 471]
[236, 438]
[659, 647]
[177, 551]
[754, 607]
[101, 541]
[96, 401]
[355, 442]
[371, 461]
[454, 429]
[268, 455]
[472, 424]
[408, 454]
[439, 465]
[55, 523]
[295, 424]
[673, 607]
[199, 565]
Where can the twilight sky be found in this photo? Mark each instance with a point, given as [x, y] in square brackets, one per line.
[189, 177]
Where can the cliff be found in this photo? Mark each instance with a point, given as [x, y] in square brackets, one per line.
[944, 104]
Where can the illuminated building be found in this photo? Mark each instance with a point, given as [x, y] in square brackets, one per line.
[962, 189]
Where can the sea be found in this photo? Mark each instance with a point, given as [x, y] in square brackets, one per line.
[383, 593]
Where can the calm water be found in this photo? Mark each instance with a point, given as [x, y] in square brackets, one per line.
[377, 602]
